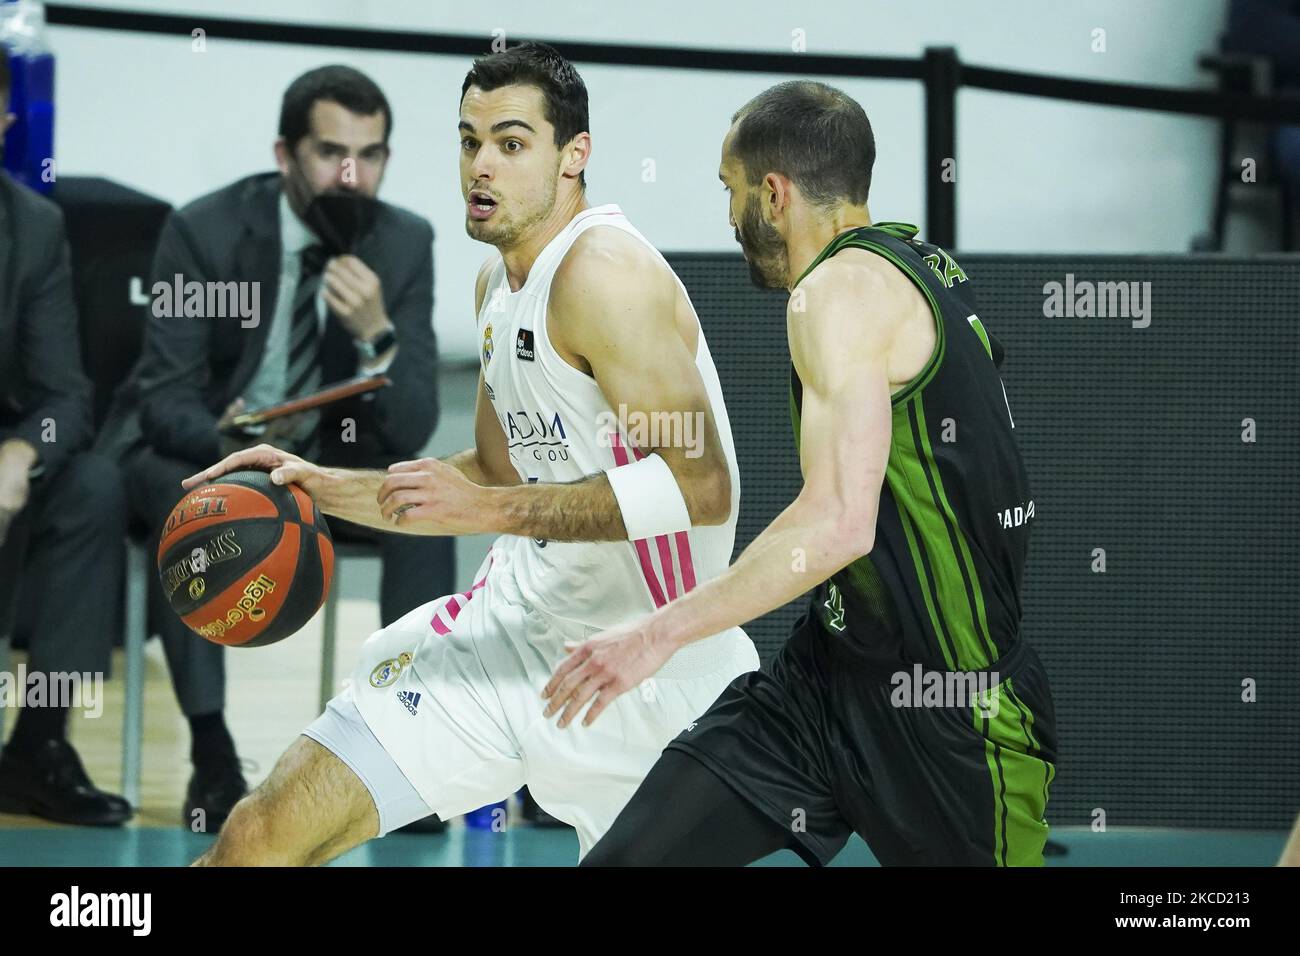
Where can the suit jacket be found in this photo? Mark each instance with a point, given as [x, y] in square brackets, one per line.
[41, 376]
[191, 369]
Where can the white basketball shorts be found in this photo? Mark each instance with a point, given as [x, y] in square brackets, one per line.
[452, 694]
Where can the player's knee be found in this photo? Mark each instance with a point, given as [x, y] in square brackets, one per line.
[252, 837]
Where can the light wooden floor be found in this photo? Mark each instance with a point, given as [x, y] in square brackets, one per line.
[271, 696]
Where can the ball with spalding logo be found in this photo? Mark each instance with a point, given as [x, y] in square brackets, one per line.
[245, 562]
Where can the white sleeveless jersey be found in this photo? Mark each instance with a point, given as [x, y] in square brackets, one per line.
[560, 428]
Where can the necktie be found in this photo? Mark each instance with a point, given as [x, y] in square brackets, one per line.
[304, 370]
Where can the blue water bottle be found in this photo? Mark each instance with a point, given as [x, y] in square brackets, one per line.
[29, 143]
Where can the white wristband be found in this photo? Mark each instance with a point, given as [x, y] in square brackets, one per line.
[649, 499]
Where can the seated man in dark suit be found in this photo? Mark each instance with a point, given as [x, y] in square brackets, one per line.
[307, 320]
[62, 513]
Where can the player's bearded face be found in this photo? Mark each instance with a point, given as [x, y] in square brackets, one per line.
[515, 207]
[764, 249]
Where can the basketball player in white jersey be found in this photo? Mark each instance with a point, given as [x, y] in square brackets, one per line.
[588, 341]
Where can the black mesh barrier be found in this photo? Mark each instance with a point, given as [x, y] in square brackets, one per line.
[1161, 447]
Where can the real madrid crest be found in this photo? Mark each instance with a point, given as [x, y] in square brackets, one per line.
[385, 672]
[388, 671]
[487, 344]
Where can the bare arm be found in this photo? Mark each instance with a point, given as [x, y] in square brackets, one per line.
[354, 493]
[344, 492]
[612, 307]
[840, 346]
[615, 308]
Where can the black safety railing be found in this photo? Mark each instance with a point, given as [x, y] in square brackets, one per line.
[939, 69]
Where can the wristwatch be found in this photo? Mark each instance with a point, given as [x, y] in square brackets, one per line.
[377, 346]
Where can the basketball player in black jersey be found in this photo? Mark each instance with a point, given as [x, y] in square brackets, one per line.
[906, 706]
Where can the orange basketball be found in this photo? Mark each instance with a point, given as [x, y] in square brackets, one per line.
[245, 562]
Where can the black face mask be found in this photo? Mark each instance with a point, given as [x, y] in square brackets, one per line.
[341, 219]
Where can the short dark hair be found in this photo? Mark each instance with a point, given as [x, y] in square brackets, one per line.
[538, 64]
[813, 133]
[349, 88]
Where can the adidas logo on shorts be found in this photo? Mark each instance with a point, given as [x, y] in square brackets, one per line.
[409, 699]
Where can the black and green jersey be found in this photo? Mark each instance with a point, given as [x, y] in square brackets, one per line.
[941, 585]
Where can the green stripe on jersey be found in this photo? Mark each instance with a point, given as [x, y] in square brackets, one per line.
[917, 487]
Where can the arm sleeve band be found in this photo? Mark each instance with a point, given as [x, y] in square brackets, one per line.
[649, 499]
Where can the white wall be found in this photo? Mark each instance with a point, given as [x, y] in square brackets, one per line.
[1033, 174]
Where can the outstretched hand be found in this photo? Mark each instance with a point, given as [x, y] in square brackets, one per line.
[603, 667]
[285, 468]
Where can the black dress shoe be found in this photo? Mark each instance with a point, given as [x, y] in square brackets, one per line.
[430, 824]
[535, 815]
[215, 787]
[50, 782]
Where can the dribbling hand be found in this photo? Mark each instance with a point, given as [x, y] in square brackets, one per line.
[285, 468]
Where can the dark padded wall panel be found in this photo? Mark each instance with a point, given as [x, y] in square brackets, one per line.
[1133, 440]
